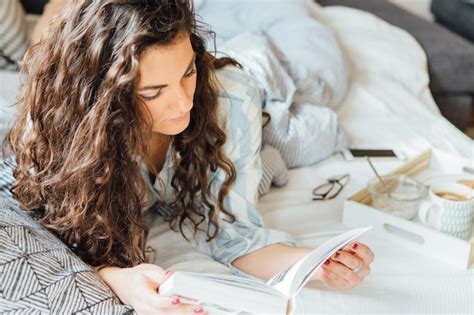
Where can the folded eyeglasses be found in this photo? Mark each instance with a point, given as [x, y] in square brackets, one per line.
[331, 188]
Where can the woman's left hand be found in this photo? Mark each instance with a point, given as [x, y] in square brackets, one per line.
[347, 268]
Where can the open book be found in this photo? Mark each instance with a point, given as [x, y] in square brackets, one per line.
[238, 294]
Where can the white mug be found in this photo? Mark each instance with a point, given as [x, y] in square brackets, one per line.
[453, 217]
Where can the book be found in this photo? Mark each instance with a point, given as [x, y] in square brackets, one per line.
[233, 294]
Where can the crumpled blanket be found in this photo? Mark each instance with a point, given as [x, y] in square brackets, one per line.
[298, 64]
[303, 128]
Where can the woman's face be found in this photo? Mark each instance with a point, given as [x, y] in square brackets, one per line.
[167, 84]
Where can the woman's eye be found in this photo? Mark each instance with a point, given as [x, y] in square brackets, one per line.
[190, 73]
[151, 97]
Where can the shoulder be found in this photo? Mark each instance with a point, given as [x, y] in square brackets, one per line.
[239, 98]
[233, 82]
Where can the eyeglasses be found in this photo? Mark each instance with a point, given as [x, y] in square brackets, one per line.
[332, 188]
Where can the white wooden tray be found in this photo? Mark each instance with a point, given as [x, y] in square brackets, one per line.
[425, 240]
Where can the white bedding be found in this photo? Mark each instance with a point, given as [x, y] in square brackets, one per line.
[388, 104]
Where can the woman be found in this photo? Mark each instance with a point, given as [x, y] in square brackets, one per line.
[122, 112]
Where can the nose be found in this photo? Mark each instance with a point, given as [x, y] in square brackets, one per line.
[183, 102]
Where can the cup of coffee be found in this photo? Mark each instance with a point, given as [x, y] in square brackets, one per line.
[449, 209]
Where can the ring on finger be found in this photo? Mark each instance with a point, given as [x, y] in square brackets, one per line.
[359, 267]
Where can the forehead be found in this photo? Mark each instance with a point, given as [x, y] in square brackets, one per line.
[161, 61]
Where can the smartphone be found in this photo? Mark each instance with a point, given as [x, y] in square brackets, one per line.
[350, 154]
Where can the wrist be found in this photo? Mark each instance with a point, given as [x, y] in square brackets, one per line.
[116, 278]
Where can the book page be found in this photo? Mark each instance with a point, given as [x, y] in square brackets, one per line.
[224, 293]
[290, 281]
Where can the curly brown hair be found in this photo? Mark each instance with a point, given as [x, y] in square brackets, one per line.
[81, 129]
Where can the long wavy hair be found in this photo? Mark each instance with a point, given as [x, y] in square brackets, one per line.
[82, 130]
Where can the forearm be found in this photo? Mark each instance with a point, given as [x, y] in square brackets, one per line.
[114, 277]
[268, 261]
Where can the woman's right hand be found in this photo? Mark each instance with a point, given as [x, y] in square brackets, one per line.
[138, 287]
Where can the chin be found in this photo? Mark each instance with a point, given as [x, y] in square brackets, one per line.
[173, 128]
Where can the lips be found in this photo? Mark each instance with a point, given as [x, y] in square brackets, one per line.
[179, 117]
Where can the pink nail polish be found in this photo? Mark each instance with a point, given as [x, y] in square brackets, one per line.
[336, 255]
[199, 310]
[175, 301]
[354, 246]
[168, 273]
[327, 262]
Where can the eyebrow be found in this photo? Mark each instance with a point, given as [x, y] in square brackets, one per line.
[154, 87]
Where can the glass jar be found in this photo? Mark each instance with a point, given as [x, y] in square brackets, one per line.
[398, 195]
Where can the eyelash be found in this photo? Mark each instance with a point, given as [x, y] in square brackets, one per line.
[191, 73]
[149, 98]
[187, 75]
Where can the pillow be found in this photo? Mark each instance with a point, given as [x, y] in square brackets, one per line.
[7, 114]
[310, 48]
[302, 127]
[13, 34]
[40, 274]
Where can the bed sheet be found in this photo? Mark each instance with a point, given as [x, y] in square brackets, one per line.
[388, 104]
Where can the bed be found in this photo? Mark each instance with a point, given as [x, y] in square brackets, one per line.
[388, 102]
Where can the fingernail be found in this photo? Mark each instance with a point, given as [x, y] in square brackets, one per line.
[327, 262]
[175, 301]
[168, 273]
[199, 310]
[354, 246]
[336, 255]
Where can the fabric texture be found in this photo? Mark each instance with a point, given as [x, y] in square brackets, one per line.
[6, 177]
[457, 15]
[7, 114]
[274, 170]
[303, 127]
[41, 275]
[240, 113]
[311, 49]
[298, 64]
[450, 57]
[13, 34]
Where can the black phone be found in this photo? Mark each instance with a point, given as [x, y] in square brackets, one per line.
[350, 154]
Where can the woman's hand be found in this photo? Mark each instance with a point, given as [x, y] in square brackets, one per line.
[138, 287]
[347, 268]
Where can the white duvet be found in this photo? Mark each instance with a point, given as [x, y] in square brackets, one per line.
[388, 105]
